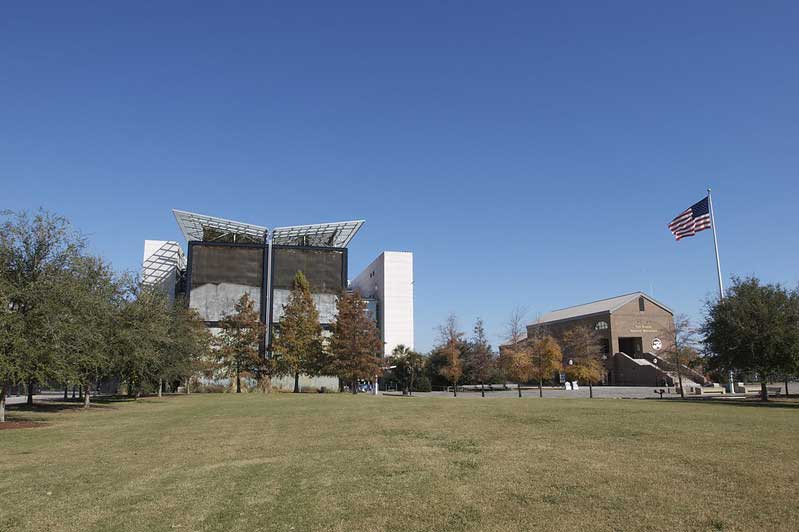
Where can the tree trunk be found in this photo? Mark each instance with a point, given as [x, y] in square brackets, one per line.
[682, 390]
[80, 392]
[238, 377]
[590, 390]
[30, 393]
[410, 390]
[519, 388]
[763, 391]
[188, 385]
[2, 403]
[482, 389]
[296, 382]
[786, 386]
[354, 387]
[455, 390]
[86, 397]
[74, 390]
[540, 389]
[66, 392]
[160, 388]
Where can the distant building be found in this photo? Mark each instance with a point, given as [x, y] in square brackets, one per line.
[388, 282]
[633, 329]
[225, 259]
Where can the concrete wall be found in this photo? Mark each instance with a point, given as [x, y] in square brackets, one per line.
[214, 302]
[325, 305]
[389, 280]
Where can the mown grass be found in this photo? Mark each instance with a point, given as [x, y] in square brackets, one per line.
[337, 462]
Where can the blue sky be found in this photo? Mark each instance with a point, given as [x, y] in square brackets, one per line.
[528, 154]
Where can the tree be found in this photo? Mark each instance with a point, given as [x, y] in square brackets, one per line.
[140, 337]
[515, 332]
[355, 344]
[517, 363]
[36, 254]
[88, 306]
[238, 340]
[584, 348]
[408, 365]
[754, 328]
[450, 339]
[298, 343]
[479, 364]
[190, 344]
[680, 346]
[10, 338]
[547, 358]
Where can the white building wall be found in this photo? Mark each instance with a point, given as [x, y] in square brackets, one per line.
[160, 263]
[389, 279]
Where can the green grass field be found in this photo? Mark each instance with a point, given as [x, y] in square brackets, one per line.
[338, 462]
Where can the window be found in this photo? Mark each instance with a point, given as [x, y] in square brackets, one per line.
[601, 326]
[641, 307]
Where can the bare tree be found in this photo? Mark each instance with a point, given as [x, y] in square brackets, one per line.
[450, 339]
[515, 333]
[680, 346]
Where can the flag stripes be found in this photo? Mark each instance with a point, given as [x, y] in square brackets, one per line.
[692, 220]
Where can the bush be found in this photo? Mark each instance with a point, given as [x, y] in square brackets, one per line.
[422, 384]
[208, 388]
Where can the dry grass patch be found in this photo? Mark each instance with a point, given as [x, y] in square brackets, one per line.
[338, 462]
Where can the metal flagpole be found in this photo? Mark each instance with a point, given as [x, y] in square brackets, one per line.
[718, 265]
[715, 244]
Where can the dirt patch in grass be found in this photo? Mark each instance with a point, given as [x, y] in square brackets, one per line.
[8, 425]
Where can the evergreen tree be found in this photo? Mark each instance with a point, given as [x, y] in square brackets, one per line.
[141, 338]
[10, 339]
[36, 255]
[355, 344]
[238, 340]
[190, 345]
[88, 307]
[754, 328]
[298, 344]
[408, 367]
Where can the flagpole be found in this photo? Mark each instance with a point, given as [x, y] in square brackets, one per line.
[715, 244]
[718, 265]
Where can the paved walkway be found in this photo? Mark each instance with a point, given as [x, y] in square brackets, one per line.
[607, 392]
[37, 398]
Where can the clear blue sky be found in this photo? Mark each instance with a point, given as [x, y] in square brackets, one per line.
[527, 154]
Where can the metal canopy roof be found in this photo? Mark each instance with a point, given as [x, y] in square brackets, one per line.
[334, 234]
[194, 227]
[211, 228]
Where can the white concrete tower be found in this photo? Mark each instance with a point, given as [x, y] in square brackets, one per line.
[389, 280]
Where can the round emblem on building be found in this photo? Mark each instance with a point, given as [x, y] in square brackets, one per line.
[657, 345]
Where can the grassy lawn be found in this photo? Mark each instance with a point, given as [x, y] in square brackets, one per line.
[337, 462]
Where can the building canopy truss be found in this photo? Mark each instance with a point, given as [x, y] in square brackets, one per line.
[213, 229]
[201, 227]
[334, 235]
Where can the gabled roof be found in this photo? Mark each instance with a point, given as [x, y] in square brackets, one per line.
[595, 307]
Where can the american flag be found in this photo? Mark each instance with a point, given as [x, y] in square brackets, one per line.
[692, 220]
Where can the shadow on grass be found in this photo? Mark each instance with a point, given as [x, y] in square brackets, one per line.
[773, 402]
